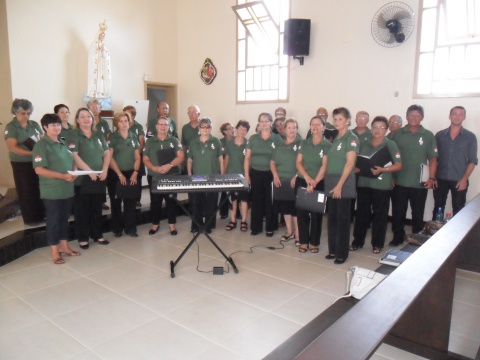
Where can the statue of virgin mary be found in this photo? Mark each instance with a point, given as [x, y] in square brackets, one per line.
[99, 71]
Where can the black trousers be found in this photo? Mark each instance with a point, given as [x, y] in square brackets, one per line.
[58, 212]
[121, 220]
[400, 197]
[261, 200]
[204, 207]
[339, 226]
[156, 201]
[309, 223]
[225, 206]
[88, 215]
[459, 198]
[372, 206]
[28, 192]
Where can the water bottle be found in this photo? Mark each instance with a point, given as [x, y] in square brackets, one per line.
[439, 215]
[448, 217]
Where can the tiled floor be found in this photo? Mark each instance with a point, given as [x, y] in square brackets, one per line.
[119, 301]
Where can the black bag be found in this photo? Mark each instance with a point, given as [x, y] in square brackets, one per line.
[93, 187]
[127, 191]
[284, 192]
[315, 201]
[349, 189]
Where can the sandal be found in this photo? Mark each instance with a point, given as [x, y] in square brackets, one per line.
[314, 249]
[302, 249]
[377, 250]
[72, 253]
[297, 242]
[288, 237]
[230, 226]
[58, 261]
[354, 247]
[244, 226]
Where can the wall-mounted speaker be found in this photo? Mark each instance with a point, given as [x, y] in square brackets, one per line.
[296, 38]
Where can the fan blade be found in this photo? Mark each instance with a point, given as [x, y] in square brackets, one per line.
[402, 14]
[382, 21]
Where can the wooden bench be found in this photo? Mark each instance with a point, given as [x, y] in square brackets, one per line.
[411, 309]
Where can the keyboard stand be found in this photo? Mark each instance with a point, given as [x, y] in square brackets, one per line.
[201, 230]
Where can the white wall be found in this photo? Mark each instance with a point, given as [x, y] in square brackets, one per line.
[169, 40]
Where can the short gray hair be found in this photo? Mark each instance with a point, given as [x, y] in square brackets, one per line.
[21, 105]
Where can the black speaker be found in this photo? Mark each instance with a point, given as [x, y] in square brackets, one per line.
[296, 38]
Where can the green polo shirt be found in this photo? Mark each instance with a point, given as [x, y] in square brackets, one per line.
[124, 150]
[337, 156]
[103, 128]
[89, 150]
[205, 156]
[65, 133]
[14, 130]
[189, 133]
[236, 156]
[416, 148]
[154, 144]
[152, 127]
[137, 129]
[262, 150]
[53, 156]
[313, 155]
[384, 181]
[365, 137]
[285, 157]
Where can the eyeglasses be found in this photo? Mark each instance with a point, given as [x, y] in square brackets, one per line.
[228, 129]
[205, 127]
[379, 128]
[394, 122]
[162, 124]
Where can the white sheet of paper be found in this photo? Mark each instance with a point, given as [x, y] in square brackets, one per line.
[321, 198]
[84, 172]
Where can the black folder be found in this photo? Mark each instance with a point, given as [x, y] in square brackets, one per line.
[365, 163]
[284, 192]
[330, 134]
[127, 191]
[349, 189]
[314, 201]
[93, 187]
[166, 156]
[29, 143]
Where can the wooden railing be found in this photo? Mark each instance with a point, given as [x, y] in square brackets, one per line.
[411, 309]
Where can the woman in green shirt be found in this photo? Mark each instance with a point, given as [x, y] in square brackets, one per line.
[124, 168]
[259, 176]
[341, 162]
[52, 160]
[311, 164]
[373, 193]
[63, 112]
[90, 152]
[20, 135]
[234, 158]
[284, 171]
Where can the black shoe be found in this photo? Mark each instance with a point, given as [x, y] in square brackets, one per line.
[269, 234]
[253, 233]
[223, 217]
[330, 257]
[194, 230]
[153, 232]
[103, 242]
[133, 234]
[84, 247]
[105, 207]
[395, 242]
[118, 234]
[173, 232]
[208, 231]
[33, 223]
[339, 261]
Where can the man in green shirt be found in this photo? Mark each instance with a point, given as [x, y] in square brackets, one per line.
[418, 147]
[163, 109]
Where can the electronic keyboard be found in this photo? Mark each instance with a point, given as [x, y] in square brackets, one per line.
[199, 183]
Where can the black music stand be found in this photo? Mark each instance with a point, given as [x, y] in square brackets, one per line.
[201, 230]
